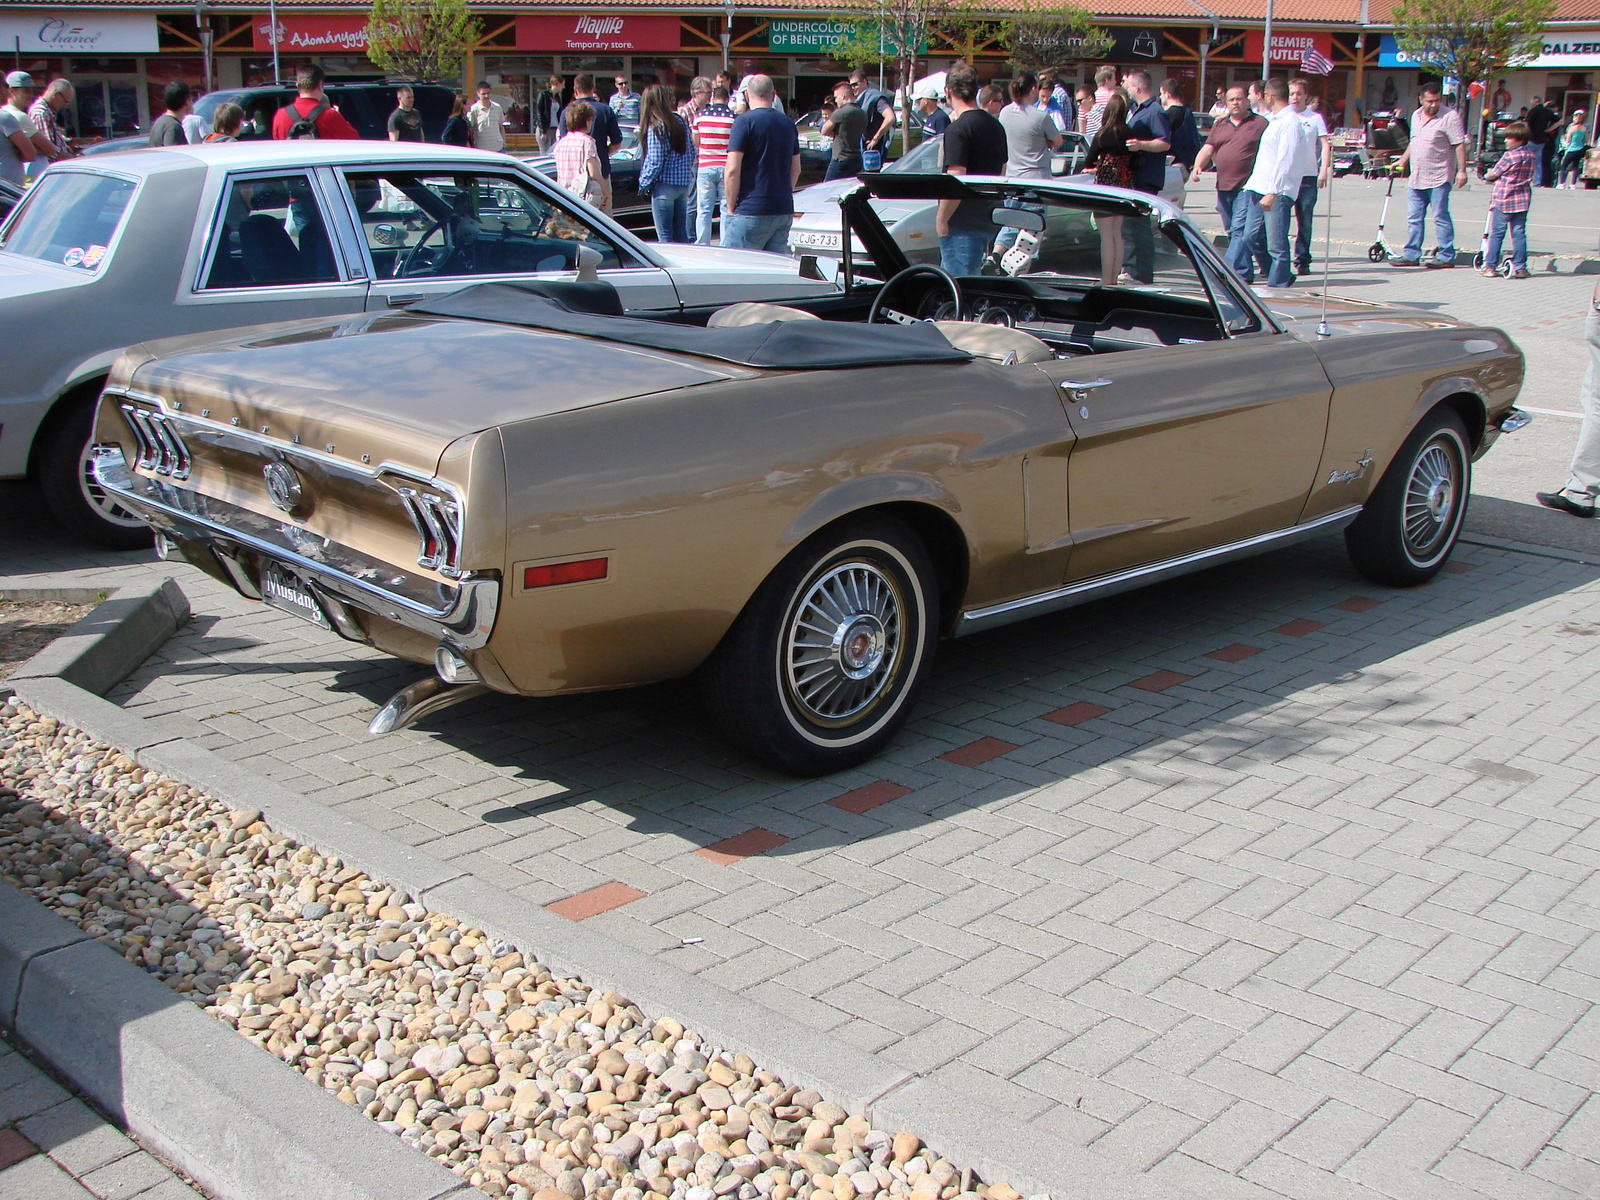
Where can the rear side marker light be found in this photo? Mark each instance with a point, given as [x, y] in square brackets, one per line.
[568, 572]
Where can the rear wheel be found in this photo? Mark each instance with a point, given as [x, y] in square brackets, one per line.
[824, 664]
[71, 493]
[1413, 517]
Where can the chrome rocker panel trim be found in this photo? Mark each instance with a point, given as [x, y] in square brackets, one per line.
[991, 617]
[463, 614]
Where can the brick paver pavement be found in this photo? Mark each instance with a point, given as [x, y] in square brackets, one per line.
[1266, 881]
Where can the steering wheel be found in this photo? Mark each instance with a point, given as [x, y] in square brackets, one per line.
[879, 308]
[402, 266]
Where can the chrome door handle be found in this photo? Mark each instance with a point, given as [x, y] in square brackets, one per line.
[407, 298]
[1072, 385]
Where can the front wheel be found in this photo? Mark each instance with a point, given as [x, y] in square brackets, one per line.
[1413, 517]
[824, 664]
[70, 490]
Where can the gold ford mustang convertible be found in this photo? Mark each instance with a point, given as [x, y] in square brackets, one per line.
[536, 493]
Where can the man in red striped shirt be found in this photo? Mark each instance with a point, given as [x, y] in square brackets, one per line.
[711, 128]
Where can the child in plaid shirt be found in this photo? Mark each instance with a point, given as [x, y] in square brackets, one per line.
[1513, 195]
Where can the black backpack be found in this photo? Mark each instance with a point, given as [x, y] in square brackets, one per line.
[306, 126]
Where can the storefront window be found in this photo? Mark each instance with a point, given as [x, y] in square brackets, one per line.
[514, 81]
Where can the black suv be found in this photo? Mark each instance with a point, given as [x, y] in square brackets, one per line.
[365, 105]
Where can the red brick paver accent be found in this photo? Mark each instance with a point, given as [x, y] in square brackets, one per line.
[862, 799]
[1237, 652]
[977, 753]
[1299, 627]
[742, 845]
[14, 1148]
[1077, 714]
[595, 901]
[1160, 681]
[1358, 604]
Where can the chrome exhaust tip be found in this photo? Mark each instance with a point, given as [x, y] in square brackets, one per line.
[411, 704]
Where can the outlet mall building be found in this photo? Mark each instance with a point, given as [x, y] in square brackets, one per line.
[120, 54]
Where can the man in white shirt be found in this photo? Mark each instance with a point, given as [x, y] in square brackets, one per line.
[1319, 161]
[1270, 191]
[488, 120]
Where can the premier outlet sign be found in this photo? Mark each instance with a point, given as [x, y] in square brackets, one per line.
[599, 33]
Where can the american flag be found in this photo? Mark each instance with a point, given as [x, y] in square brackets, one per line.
[1314, 62]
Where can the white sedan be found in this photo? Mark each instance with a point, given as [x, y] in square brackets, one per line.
[117, 249]
[817, 228]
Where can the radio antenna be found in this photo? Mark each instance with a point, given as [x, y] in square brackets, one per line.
[1327, 246]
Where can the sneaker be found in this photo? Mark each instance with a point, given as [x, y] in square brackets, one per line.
[1489, 272]
[1440, 264]
[1559, 502]
[1405, 262]
[1519, 273]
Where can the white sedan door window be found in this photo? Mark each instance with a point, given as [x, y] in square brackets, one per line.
[272, 235]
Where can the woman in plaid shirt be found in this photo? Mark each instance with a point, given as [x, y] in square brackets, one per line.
[1513, 195]
[667, 173]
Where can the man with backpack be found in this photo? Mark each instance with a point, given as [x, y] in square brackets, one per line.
[310, 115]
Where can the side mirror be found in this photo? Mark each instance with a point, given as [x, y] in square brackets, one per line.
[589, 260]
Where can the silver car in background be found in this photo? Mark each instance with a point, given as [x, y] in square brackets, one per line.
[124, 248]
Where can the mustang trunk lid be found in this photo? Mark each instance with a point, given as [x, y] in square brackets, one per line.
[392, 387]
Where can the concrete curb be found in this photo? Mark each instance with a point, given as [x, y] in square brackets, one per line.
[1500, 543]
[224, 1110]
[235, 1118]
[965, 1131]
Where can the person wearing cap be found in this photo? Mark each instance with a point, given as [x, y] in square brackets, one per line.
[934, 118]
[17, 132]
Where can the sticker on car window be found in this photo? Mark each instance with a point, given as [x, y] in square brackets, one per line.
[73, 257]
[92, 257]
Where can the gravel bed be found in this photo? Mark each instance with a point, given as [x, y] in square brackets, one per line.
[526, 1084]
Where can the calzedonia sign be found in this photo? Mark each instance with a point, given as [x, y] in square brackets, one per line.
[599, 33]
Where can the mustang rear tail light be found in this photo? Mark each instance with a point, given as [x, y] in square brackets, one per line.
[567, 572]
[159, 447]
[437, 520]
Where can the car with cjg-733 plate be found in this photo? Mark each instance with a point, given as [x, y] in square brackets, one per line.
[533, 493]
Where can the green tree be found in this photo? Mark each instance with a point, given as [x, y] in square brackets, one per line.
[421, 39]
[895, 33]
[1048, 35]
[1471, 40]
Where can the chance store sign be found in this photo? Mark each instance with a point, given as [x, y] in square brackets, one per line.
[59, 31]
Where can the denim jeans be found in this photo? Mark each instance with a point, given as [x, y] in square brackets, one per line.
[758, 231]
[1226, 202]
[1305, 212]
[962, 251]
[1140, 256]
[669, 205]
[1271, 227]
[1247, 253]
[1417, 202]
[1499, 222]
[708, 198]
[843, 168]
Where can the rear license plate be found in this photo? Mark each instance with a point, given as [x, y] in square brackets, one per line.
[812, 239]
[285, 590]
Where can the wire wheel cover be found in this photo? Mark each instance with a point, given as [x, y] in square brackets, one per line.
[1433, 494]
[844, 642]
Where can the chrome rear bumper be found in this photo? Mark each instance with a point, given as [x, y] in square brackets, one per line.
[462, 613]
